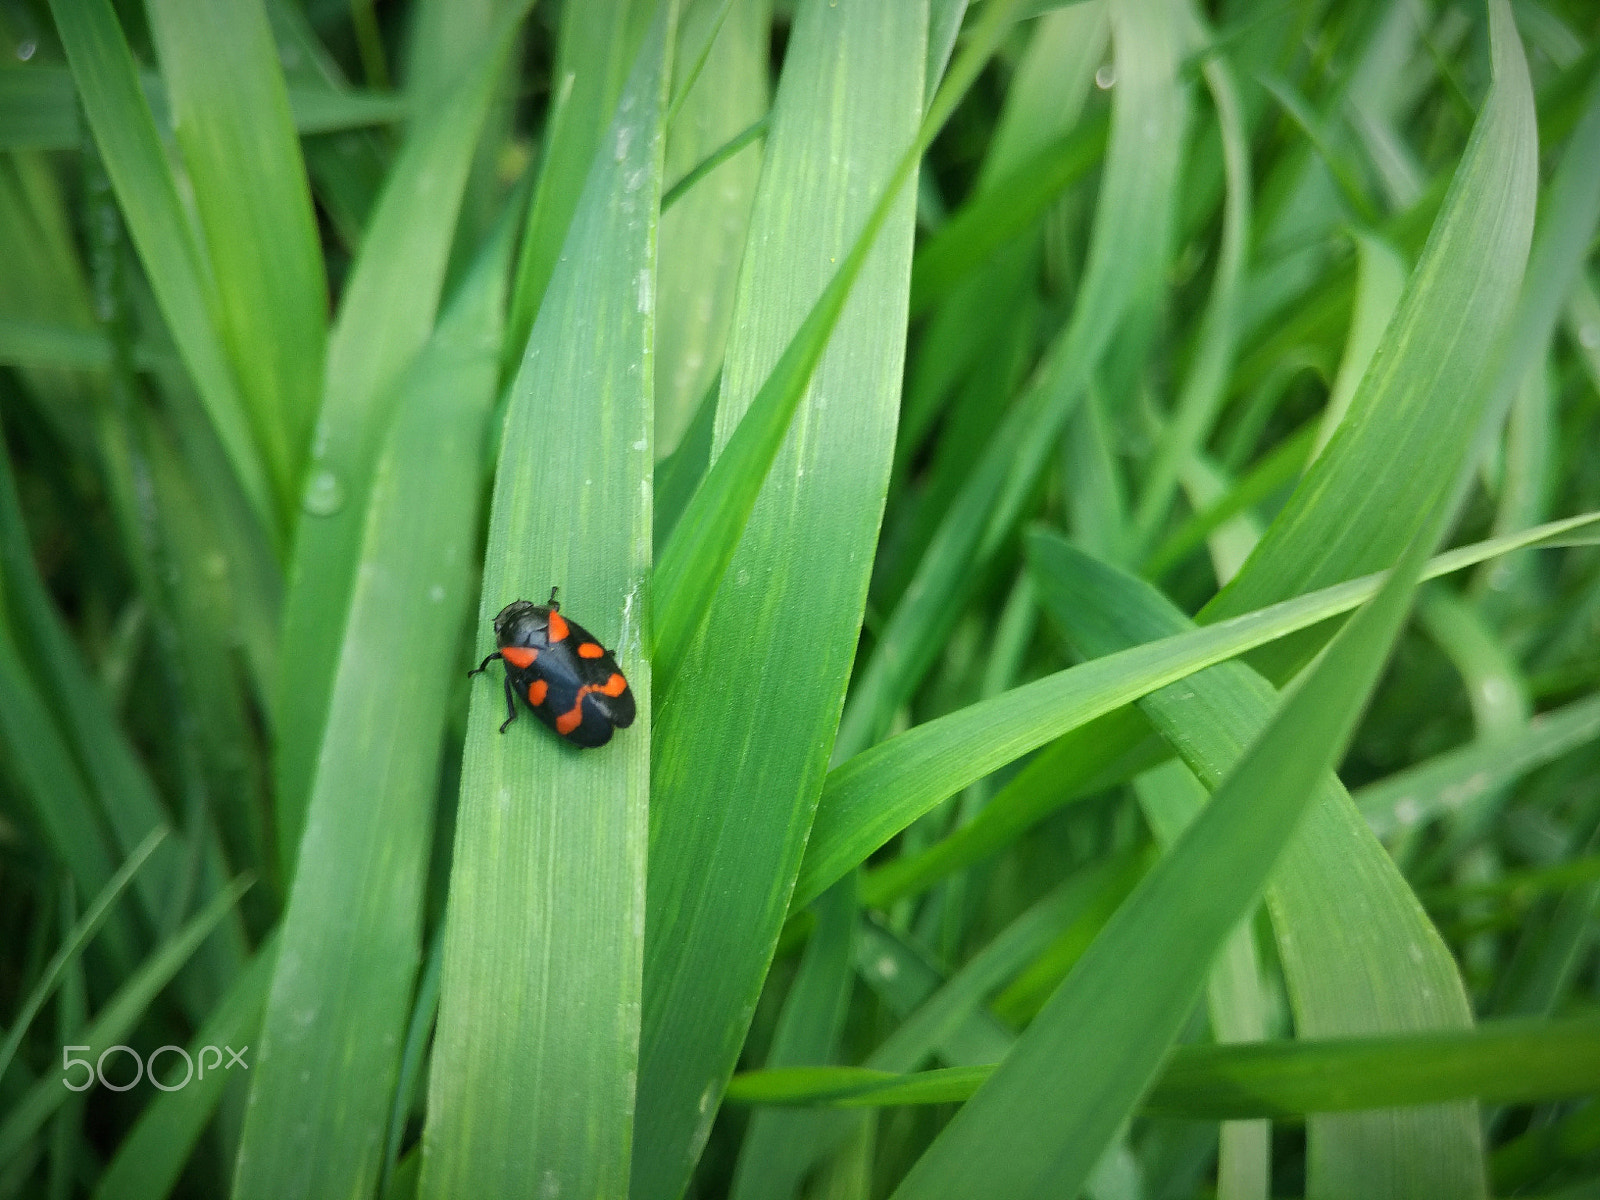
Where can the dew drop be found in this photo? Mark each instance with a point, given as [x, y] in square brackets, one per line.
[25, 49]
[1105, 77]
[324, 493]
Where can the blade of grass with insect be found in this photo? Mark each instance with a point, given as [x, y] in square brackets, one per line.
[151, 1158]
[1129, 248]
[784, 604]
[594, 51]
[118, 1017]
[871, 797]
[241, 156]
[1508, 1062]
[532, 1079]
[1038, 1125]
[385, 315]
[370, 819]
[703, 236]
[148, 195]
[696, 556]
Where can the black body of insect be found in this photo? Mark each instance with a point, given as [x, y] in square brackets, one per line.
[562, 671]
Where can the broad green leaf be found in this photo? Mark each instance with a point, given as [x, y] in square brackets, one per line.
[1358, 954]
[531, 1085]
[231, 117]
[871, 797]
[385, 315]
[784, 618]
[309, 1131]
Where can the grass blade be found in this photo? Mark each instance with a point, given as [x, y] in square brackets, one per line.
[309, 1131]
[230, 112]
[534, 1060]
[385, 316]
[786, 614]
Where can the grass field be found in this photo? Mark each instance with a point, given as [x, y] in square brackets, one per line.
[1096, 504]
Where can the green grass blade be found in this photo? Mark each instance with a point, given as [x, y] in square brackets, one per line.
[1038, 1125]
[534, 1061]
[1128, 252]
[1203, 389]
[1447, 782]
[117, 1018]
[779, 1148]
[130, 146]
[871, 797]
[230, 113]
[386, 314]
[1368, 491]
[702, 238]
[1507, 1062]
[594, 52]
[78, 937]
[1358, 954]
[785, 617]
[150, 1159]
[703, 542]
[309, 1131]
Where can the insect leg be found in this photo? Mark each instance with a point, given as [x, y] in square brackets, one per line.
[511, 706]
[479, 669]
[553, 603]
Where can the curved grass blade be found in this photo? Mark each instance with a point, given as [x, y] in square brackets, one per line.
[151, 1157]
[117, 1019]
[531, 1084]
[1506, 1062]
[1037, 1126]
[702, 544]
[385, 316]
[310, 1131]
[77, 938]
[871, 797]
[1447, 782]
[231, 117]
[784, 618]
[1358, 954]
[130, 146]
[1128, 252]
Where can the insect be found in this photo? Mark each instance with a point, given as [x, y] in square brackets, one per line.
[566, 676]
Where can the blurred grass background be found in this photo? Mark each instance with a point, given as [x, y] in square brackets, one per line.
[971, 428]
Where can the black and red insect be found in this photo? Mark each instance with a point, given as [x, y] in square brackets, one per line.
[566, 676]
